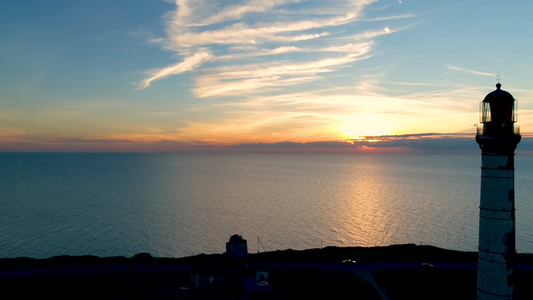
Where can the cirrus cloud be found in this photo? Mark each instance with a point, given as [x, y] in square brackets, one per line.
[302, 42]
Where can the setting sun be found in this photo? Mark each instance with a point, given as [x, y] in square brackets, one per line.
[365, 124]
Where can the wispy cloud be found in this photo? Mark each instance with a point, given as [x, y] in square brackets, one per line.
[454, 68]
[9, 132]
[188, 64]
[235, 12]
[230, 80]
[395, 17]
[228, 36]
[371, 34]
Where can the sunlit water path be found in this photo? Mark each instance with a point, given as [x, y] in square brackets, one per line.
[177, 205]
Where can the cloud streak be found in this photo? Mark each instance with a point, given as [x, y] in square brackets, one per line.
[424, 143]
[231, 80]
[188, 64]
[454, 68]
[285, 34]
[411, 143]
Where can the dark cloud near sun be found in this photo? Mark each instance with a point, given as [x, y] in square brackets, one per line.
[426, 143]
[419, 143]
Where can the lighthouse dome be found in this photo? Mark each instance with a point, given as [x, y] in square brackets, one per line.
[498, 107]
[498, 95]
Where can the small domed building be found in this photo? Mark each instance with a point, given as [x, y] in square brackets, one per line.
[237, 247]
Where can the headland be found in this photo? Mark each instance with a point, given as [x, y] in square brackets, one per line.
[391, 272]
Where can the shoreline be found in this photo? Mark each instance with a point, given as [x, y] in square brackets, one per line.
[399, 253]
[391, 253]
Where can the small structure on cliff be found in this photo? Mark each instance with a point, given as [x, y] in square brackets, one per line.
[237, 247]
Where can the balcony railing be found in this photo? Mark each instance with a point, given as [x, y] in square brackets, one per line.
[479, 129]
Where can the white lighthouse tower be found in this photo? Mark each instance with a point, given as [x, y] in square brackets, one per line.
[497, 139]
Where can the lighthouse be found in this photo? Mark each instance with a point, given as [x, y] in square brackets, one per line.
[497, 139]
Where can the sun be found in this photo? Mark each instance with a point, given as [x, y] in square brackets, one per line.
[358, 126]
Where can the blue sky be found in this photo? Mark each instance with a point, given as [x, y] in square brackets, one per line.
[184, 75]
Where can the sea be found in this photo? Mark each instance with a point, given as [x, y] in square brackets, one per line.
[176, 205]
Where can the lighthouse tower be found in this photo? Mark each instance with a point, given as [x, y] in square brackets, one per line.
[497, 139]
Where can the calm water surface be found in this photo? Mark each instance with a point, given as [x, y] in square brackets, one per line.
[176, 205]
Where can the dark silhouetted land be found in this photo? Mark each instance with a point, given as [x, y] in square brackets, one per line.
[394, 271]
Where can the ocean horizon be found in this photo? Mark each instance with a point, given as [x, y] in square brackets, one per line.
[175, 205]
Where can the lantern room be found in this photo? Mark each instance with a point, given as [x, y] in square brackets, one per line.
[498, 112]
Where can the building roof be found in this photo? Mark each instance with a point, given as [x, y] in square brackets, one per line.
[498, 95]
[236, 239]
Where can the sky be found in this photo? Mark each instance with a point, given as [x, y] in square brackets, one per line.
[258, 75]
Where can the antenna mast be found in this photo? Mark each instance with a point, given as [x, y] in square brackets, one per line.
[259, 243]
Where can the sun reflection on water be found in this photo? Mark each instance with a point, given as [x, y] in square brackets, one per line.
[366, 221]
